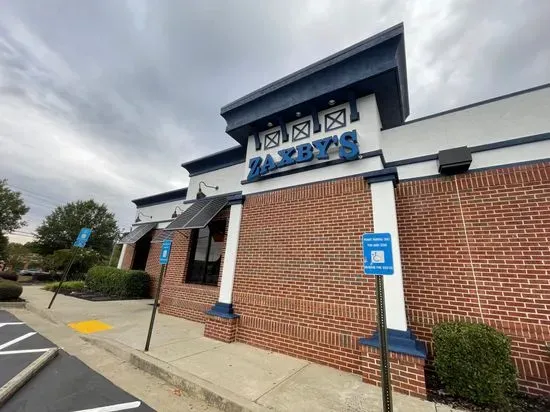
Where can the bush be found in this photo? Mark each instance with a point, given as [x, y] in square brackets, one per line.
[473, 361]
[9, 290]
[67, 287]
[116, 282]
[44, 277]
[83, 261]
[9, 276]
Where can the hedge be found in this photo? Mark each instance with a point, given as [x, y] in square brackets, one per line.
[9, 290]
[117, 282]
[473, 361]
[8, 275]
[66, 287]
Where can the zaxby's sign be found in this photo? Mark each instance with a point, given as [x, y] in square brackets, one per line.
[303, 153]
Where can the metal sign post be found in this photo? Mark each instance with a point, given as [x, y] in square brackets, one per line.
[164, 256]
[78, 244]
[378, 261]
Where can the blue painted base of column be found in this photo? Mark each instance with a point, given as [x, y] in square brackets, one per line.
[399, 341]
[222, 310]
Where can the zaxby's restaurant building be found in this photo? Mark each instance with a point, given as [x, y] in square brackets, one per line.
[267, 236]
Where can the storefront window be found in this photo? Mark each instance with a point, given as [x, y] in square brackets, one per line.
[206, 254]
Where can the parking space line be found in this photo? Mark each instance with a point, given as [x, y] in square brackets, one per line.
[19, 339]
[11, 323]
[114, 408]
[16, 352]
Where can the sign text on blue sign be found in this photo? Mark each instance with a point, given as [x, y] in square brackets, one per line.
[377, 254]
[82, 237]
[165, 252]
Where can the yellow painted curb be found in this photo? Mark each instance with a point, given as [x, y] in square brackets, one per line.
[90, 326]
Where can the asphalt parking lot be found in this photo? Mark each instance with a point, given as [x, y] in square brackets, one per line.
[64, 384]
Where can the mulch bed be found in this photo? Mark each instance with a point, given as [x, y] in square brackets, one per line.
[94, 296]
[13, 300]
[521, 402]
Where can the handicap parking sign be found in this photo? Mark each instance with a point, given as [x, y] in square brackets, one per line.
[165, 252]
[377, 254]
[82, 237]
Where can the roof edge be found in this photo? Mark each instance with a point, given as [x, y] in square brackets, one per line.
[161, 197]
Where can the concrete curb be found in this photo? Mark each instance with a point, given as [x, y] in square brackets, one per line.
[13, 305]
[15, 383]
[194, 386]
[45, 313]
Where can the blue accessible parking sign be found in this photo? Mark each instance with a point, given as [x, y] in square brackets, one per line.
[165, 252]
[82, 237]
[377, 254]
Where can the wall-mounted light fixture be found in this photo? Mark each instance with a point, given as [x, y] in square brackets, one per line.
[175, 214]
[200, 193]
[142, 214]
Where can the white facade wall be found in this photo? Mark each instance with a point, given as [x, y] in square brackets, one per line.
[228, 179]
[160, 211]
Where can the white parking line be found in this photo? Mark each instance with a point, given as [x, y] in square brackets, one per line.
[16, 352]
[11, 323]
[19, 339]
[114, 408]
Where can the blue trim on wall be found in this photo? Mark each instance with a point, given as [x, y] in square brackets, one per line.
[236, 199]
[222, 310]
[404, 342]
[383, 175]
[333, 162]
[228, 195]
[216, 161]
[373, 66]
[161, 198]
[476, 149]
[469, 106]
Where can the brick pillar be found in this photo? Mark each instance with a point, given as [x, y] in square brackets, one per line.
[223, 329]
[127, 256]
[407, 371]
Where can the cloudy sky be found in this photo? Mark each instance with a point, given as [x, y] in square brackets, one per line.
[105, 99]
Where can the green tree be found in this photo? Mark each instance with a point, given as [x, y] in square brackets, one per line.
[61, 227]
[18, 255]
[12, 209]
[3, 247]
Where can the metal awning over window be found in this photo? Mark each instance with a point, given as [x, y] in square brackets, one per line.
[162, 235]
[199, 214]
[138, 233]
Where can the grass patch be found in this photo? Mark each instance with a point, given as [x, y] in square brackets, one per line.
[67, 287]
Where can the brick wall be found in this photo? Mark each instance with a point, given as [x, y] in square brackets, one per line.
[299, 287]
[502, 217]
[182, 299]
[220, 328]
[128, 257]
[153, 264]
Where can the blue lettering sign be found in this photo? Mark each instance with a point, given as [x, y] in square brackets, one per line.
[348, 150]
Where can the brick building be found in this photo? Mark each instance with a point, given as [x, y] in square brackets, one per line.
[266, 237]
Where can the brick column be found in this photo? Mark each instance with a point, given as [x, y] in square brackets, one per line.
[121, 257]
[407, 354]
[221, 322]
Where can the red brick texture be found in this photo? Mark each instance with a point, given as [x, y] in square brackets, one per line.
[407, 372]
[178, 298]
[153, 265]
[502, 217]
[128, 257]
[299, 287]
[220, 328]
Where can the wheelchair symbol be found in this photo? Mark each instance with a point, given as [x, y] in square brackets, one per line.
[377, 256]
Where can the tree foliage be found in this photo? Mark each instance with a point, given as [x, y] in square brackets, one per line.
[18, 255]
[61, 227]
[3, 247]
[12, 209]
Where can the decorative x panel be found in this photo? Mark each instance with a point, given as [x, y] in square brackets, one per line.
[300, 131]
[272, 139]
[335, 120]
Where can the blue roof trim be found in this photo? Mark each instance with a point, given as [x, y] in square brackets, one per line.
[375, 65]
[216, 161]
[161, 198]
[471, 105]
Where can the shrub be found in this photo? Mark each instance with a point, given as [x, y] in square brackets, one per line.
[44, 277]
[9, 276]
[473, 361]
[9, 290]
[83, 261]
[118, 282]
[66, 287]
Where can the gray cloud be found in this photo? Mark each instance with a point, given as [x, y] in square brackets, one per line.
[105, 99]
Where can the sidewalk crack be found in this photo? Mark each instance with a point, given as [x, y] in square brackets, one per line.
[283, 381]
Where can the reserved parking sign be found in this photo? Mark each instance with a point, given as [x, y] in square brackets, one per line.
[377, 254]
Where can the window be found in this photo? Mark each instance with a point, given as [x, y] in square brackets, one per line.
[206, 254]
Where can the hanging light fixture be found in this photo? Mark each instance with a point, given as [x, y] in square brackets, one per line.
[200, 193]
[142, 214]
[175, 214]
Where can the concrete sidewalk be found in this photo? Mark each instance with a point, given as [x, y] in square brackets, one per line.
[232, 376]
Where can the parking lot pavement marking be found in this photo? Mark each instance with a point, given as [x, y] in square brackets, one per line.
[16, 352]
[19, 339]
[114, 408]
[11, 323]
[90, 326]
